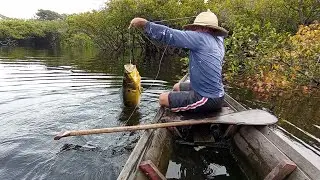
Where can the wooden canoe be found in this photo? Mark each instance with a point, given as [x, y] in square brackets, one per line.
[261, 152]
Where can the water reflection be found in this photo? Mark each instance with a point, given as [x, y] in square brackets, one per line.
[92, 61]
[202, 163]
[130, 116]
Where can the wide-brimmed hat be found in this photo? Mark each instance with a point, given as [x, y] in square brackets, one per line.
[207, 19]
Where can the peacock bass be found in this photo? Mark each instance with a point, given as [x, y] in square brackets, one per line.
[131, 86]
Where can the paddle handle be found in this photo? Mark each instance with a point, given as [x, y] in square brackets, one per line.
[132, 128]
[249, 117]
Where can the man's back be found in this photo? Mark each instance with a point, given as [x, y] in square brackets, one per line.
[206, 56]
[204, 39]
[206, 66]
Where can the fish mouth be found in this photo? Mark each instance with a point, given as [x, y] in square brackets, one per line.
[129, 71]
[131, 85]
[129, 68]
[131, 78]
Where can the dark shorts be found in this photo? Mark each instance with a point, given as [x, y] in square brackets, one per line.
[188, 100]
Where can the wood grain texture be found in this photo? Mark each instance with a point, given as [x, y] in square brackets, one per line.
[158, 151]
[151, 171]
[270, 158]
[282, 170]
[312, 171]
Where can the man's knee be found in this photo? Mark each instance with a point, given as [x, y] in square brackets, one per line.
[176, 87]
[164, 99]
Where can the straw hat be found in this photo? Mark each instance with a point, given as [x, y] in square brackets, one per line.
[207, 19]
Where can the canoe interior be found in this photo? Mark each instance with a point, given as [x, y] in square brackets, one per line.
[260, 149]
[157, 147]
[257, 160]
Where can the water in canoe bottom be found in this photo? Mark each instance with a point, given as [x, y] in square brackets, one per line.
[199, 162]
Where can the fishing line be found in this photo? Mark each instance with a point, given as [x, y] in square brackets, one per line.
[158, 72]
[160, 62]
[130, 46]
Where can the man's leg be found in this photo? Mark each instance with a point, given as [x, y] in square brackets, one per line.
[176, 87]
[164, 97]
[164, 101]
[184, 86]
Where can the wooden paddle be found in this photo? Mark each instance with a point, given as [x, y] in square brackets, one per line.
[249, 117]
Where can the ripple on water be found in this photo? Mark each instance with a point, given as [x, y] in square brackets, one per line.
[38, 101]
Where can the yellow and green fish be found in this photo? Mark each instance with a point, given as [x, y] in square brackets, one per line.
[131, 86]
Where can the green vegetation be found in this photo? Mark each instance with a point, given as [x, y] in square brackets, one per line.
[3, 17]
[274, 43]
[48, 15]
[33, 33]
[108, 28]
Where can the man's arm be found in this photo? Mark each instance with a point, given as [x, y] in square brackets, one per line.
[178, 38]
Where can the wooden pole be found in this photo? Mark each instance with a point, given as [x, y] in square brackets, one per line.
[131, 128]
[249, 117]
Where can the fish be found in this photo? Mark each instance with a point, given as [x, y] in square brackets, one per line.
[131, 86]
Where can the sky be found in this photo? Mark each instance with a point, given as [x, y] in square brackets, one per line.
[27, 8]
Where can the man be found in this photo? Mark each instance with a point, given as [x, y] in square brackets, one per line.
[204, 39]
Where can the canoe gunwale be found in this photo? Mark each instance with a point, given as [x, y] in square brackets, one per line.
[304, 171]
[131, 166]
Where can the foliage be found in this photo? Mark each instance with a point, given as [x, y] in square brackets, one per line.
[40, 32]
[265, 42]
[258, 29]
[301, 57]
[248, 45]
[260, 47]
[48, 15]
[3, 17]
[108, 28]
[284, 15]
[275, 60]
[77, 41]
[17, 29]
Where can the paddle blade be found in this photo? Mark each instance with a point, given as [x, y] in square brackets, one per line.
[249, 117]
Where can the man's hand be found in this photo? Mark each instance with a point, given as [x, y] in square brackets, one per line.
[138, 23]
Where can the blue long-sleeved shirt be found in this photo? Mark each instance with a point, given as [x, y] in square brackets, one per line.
[205, 59]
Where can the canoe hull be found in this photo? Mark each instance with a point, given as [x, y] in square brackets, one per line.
[271, 157]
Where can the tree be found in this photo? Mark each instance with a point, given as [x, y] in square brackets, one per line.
[48, 15]
[3, 17]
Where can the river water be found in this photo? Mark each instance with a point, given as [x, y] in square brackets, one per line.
[44, 92]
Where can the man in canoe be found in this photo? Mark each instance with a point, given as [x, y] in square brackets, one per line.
[204, 39]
